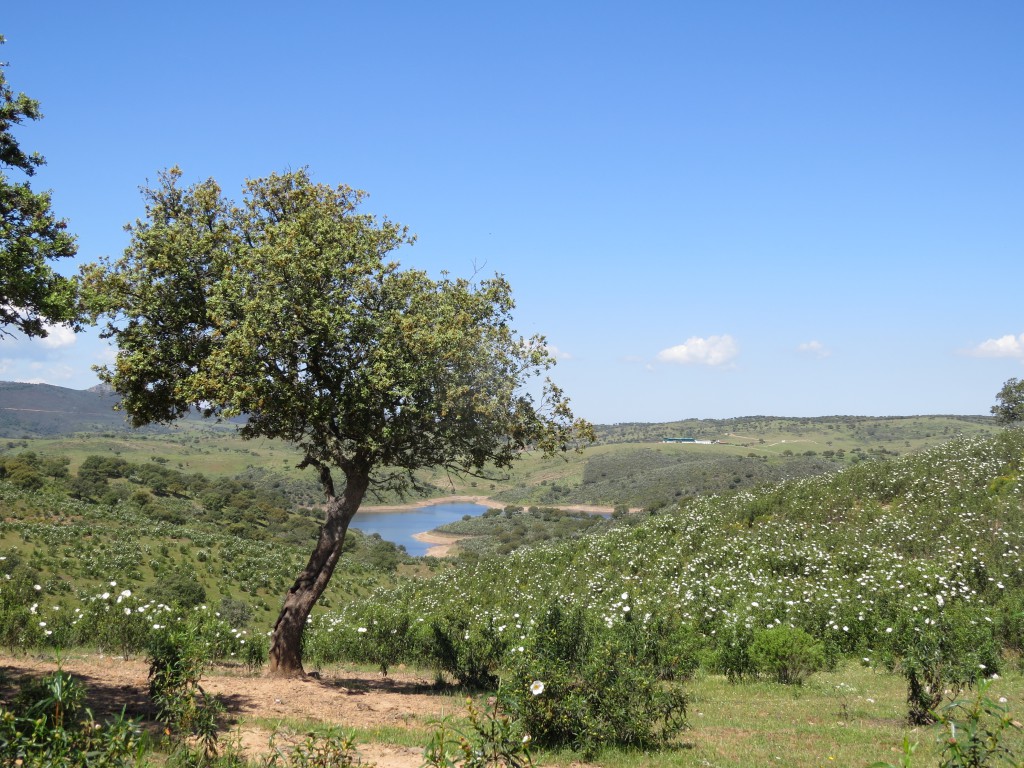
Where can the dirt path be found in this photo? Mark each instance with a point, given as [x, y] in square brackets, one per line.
[342, 697]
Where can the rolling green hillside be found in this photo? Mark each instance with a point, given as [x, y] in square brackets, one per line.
[629, 465]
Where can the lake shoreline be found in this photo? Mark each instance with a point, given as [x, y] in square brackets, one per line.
[593, 509]
[444, 545]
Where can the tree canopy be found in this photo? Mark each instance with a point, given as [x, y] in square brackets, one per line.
[1009, 408]
[284, 308]
[31, 293]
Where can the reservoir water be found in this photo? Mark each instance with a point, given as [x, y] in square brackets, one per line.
[399, 527]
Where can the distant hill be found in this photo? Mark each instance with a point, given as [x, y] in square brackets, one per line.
[33, 410]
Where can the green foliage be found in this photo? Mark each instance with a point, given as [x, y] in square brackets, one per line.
[972, 733]
[498, 532]
[179, 587]
[974, 730]
[31, 293]
[333, 748]
[856, 561]
[177, 660]
[284, 309]
[470, 649]
[492, 739]
[939, 650]
[19, 620]
[1010, 406]
[47, 727]
[575, 684]
[786, 654]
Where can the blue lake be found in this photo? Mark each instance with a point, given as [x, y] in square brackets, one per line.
[400, 526]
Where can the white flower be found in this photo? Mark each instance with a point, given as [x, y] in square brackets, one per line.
[37, 587]
[361, 630]
[126, 593]
[939, 600]
[105, 596]
[537, 687]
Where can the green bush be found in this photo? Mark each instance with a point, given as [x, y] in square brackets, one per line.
[944, 648]
[47, 727]
[177, 660]
[469, 649]
[786, 655]
[180, 587]
[578, 684]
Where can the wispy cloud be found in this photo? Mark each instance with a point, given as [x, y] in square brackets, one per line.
[557, 353]
[1004, 346]
[713, 351]
[815, 348]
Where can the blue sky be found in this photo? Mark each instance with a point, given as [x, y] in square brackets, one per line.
[710, 209]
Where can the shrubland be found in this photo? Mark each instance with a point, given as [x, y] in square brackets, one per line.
[912, 565]
[908, 567]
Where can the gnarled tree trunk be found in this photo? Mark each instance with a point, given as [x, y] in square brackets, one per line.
[285, 659]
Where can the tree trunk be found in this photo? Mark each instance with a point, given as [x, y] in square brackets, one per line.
[285, 658]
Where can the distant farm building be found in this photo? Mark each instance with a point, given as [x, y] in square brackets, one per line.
[688, 440]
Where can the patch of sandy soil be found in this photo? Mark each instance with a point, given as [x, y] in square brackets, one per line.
[443, 544]
[341, 697]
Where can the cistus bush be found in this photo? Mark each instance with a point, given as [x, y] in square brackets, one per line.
[579, 683]
[468, 648]
[944, 648]
[786, 655]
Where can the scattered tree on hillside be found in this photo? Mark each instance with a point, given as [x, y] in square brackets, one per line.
[283, 308]
[31, 293]
[1010, 406]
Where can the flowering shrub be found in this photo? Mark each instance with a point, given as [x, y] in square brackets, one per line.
[468, 649]
[945, 648]
[576, 683]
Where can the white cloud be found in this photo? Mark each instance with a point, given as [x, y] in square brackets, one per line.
[58, 336]
[814, 348]
[714, 350]
[557, 353]
[1004, 346]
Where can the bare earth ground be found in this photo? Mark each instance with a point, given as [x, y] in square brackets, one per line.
[350, 699]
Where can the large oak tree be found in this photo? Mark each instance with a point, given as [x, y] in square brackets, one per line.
[284, 309]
